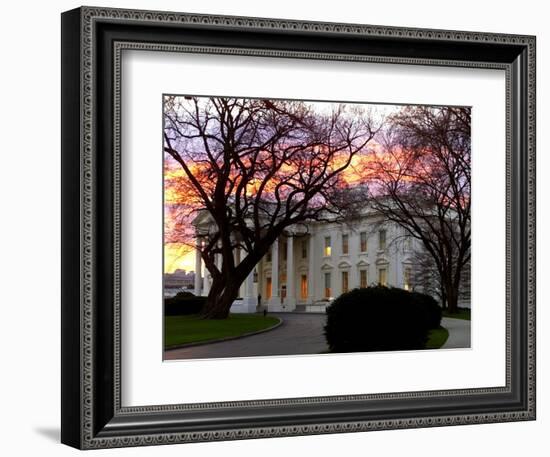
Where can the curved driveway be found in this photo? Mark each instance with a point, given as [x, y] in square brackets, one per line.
[300, 333]
[459, 333]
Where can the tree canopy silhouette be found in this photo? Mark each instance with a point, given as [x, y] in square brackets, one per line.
[248, 169]
[422, 181]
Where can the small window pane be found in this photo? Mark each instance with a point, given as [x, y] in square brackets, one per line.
[328, 247]
[268, 290]
[345, 244]
[382, 240]
[363, 236]
[328, 289]
[407, 278]
[345, 281]
[382, 277]
[363, 278]
[303, 287]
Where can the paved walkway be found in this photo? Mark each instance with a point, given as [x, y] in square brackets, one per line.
[459, 333]
[298, 334]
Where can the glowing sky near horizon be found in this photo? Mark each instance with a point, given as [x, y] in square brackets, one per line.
[179, 256]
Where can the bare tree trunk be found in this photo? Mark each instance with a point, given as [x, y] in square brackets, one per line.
[220, 298]
[443, 299]
[451, 293]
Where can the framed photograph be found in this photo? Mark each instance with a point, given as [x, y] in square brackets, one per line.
[273, 228]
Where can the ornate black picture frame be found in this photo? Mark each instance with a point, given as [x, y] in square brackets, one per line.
[92, 42]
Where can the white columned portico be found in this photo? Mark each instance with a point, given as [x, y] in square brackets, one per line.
[275, 300]
[311, 270]
[198, 272]
[290, 301]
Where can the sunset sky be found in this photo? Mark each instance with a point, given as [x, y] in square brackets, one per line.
[181, 256]
[178, 256]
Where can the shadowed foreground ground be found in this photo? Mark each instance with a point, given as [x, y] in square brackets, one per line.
[299, 334]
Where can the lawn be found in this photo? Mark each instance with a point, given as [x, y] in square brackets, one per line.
[192, 329]
[463, 313]
[437, 338]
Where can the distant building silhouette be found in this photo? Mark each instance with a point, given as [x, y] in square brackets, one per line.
[179, 279]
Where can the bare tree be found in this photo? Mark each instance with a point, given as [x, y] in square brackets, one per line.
[255, 167]
[426, 276]
[422, 181]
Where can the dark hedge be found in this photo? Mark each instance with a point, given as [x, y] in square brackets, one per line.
[183, 303]
[434, 311]
[379, 319]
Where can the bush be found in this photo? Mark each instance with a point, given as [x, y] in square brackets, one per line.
[183, 303]
[431, 306]
[377, 319]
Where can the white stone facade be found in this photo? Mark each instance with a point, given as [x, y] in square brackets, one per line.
[307, 271]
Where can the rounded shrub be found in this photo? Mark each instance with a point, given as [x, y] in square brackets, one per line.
[183, 303]
[376, 319]
[432, 308]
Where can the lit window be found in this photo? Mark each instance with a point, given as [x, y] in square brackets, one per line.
[345, 281]
[328, 247]
[345, 244]
[383, 277]
[407, 278]
[304, 249]
[328, 289]
[268, 289]
[303, 287]
[363, 278]
[363, 239]
[382, 240]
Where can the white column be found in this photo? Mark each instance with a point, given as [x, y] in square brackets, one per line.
[275, 301]
[311, 270]
[290, 301]
[198, 272]
[218, 261]
[206, 282]
[237, 258]
[249, 300]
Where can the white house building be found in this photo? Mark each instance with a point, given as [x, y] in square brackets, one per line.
[304, 272]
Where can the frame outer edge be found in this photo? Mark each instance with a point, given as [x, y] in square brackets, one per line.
[295, 25]
[88, 220]
[531, 227]
[86, 325]
[71, 305]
